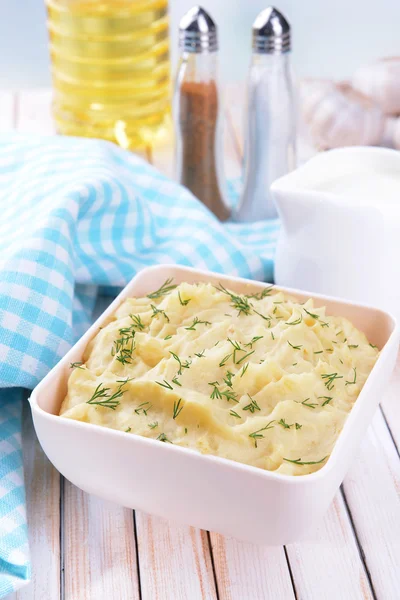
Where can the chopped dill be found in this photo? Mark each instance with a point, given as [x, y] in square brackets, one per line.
[234, 414]
[352, 346]
[284, 424]
[329, 379]
[245, 367]
[326, 399]
[163, 438]
[309, 404]
[260, 295]
[76, 365]
[153, 425]
[298, 461]
[182, 365]
[176, 382]
[163, 290]
[244, 357]
[355, 378]
[109, 401]
[229, 395]
[296, 322]
[256, 435]
[215, 393]
[298, 426]
[168, 337]
[183, 302]
[228, 378]
[141, 408]
[200, 354]
[240, 303]
[253, 341]
[196, 321]
[158, 311]
[165, 384]
[310, 314]
[128, 430]
[225, 360]
[253, 406]
[294, 347]
[177, 409]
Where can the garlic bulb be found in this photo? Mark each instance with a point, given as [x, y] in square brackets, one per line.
[380, 81]
[337, 115]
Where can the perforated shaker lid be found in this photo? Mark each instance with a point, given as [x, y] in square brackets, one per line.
[271, 33]
[198, 32]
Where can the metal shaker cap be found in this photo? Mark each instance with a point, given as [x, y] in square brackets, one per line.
[198, 32]
[271, 33]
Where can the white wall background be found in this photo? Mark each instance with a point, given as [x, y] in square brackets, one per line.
[331, 37]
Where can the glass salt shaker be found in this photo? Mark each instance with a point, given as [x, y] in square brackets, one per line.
[270, 138]
[197, 112]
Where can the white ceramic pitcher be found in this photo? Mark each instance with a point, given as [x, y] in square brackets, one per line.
[340, 231]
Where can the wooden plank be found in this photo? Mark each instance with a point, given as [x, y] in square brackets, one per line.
[43, 510]
[99, 548]
[372, 493]
[247, 571]
[328, 565]
[391, 405]
[33, 108]
[7, 111]
[175, 561]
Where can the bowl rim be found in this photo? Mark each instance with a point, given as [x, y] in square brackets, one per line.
[194, 454]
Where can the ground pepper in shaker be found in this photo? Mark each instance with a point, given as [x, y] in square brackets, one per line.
[198, 122]
[270, 138]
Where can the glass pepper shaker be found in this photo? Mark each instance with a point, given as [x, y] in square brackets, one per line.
[197, 112]
[270, 138]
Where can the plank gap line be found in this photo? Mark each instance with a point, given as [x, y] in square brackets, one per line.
[290, 572]
[389, 430]
[358, 543]
[62, 563]
[137, 554]
[213, 565]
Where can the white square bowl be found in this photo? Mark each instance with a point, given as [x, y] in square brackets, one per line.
[202, 490]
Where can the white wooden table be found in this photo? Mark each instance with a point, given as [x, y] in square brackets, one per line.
[86, 549]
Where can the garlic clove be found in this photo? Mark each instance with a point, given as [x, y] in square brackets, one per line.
[337, 115]
[381, 82]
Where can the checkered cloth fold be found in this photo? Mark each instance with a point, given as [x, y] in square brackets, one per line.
[75, 215]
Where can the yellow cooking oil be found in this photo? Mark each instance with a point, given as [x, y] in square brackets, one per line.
[111, 69]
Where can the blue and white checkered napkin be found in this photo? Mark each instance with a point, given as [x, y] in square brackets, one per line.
[75, 215]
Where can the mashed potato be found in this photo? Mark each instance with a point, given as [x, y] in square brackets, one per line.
[259, 379]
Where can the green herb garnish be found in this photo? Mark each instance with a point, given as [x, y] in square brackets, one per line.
[76, 365]
[110, 401]
[313, 315]
[294, 347]
[158, 311]
[240, 303]
[165, 384]
[260, 295]
[225, 360]
[329, 379]
[355, 378]
[163, 438]
[153, 425]
[326, 398]
[196, 321]
[141, 408]
[200, 354]
[234, 414]
[298, 461]
[296, 322]
[183, 302]
[256, 435]
[177, 408]
[176, 382]
[244, 357]
[253, 406]
[298, 426]
[163, 290]
[284, 424]
[245, 367]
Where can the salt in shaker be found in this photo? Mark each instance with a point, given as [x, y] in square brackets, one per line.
[197, 118]
[270, 137]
